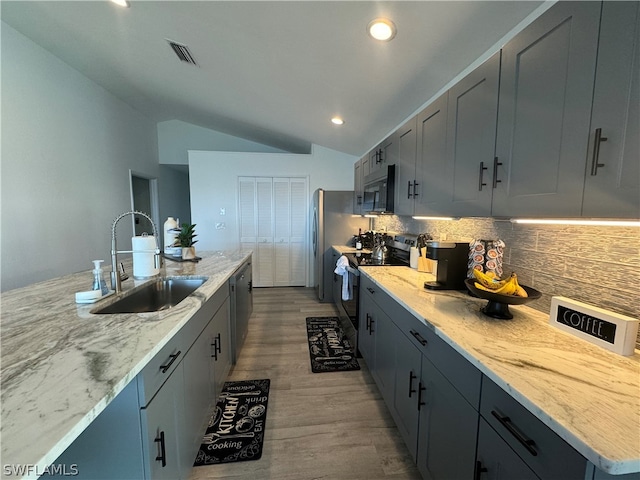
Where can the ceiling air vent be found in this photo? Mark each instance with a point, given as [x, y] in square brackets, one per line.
[182, 51]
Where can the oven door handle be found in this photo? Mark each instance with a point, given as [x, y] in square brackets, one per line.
[352, 271]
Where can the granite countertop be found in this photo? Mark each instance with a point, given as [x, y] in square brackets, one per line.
[589, 396]
[61, 365]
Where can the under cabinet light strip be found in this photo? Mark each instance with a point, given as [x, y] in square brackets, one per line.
[434, 218]
[559, 221]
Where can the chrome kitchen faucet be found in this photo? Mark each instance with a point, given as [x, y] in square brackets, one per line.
[116, 282]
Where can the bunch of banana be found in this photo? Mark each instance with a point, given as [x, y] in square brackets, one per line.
[489, 283]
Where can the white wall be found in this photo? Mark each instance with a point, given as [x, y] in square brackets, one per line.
[176, 138]
[67, 147]
[213, 179]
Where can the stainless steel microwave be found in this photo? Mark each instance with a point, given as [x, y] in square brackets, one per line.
[379, 192]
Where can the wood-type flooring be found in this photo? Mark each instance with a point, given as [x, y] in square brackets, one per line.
[319, 425]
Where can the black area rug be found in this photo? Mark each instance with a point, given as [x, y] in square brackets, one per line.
[329, 349]
[236, 429]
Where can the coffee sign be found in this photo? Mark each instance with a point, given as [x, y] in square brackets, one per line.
[610, 330]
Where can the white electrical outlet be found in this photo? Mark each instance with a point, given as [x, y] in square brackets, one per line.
[220, 226]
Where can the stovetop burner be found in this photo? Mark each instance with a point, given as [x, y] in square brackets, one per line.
[366, 260]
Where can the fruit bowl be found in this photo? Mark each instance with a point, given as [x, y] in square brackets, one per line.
[498, 306]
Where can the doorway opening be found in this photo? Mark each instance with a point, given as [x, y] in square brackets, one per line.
[144, 198]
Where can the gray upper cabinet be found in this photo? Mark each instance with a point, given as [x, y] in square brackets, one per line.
[382, 156]
[471, 136]
[406, 184]
[546, 88]
[358, 187]
[431, 191]
[612, 185]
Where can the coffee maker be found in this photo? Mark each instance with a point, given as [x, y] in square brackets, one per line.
[451, 271]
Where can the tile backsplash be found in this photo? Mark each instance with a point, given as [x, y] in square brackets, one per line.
[595, 265]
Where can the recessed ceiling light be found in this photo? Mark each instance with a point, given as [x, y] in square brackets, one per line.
[122, 3]
[337, 121]
[382, 29]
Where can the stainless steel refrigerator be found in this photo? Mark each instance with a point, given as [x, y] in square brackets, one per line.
[333, 223]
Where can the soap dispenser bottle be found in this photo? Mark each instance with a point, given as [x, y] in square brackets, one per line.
[98, 279]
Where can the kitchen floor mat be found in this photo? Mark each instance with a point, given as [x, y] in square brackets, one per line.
[329, 349]
[236, 429]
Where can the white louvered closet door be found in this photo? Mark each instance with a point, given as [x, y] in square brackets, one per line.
[299, 213]
[273, 223]
[282, 209]
[264, 220]
[247, 213]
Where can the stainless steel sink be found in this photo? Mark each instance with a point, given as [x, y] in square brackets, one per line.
[159, 295]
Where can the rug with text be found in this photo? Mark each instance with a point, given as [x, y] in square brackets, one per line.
[329, 349]
[236, 429]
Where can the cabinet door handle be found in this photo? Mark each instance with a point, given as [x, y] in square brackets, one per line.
[479, 470]
[163, 454]
[216, 347]
[173, 358]
[411, 378]
[481, 177]
[371, 290]
[415, 192]
[421, 389]
[496, 164]
[419, 338]
[598, 138]
[371, 322]
[408, 188]
[526, 442]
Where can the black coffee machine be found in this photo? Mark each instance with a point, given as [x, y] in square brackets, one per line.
[452, 258]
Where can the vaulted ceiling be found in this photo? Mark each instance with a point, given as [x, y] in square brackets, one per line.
[271, 72]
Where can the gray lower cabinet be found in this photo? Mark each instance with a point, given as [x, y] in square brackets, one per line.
[541, 449]
[496, 460]
[375, 340]
[431, 391]
[447, 428]
[153, 428]
[163, 429]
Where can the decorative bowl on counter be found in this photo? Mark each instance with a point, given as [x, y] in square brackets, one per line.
[498, 305]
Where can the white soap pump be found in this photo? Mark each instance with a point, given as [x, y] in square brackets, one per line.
[98, 279]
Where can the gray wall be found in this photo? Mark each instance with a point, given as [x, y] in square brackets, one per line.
[67, 147]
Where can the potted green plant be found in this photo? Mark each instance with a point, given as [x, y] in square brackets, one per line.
[185, 239]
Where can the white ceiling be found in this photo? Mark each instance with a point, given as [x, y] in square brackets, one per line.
[271, 72]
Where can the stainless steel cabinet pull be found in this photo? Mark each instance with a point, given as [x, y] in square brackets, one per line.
[418, 337]
[496, 164]
[420, 390]
[481, 177]
[598, 138]
[163, 454]
[173, 358]
[526, 442]
[411, 378]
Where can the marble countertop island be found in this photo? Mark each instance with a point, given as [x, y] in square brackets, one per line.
[61, 365]
[589, 396]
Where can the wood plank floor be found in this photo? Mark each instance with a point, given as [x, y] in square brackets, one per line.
[319, 425]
